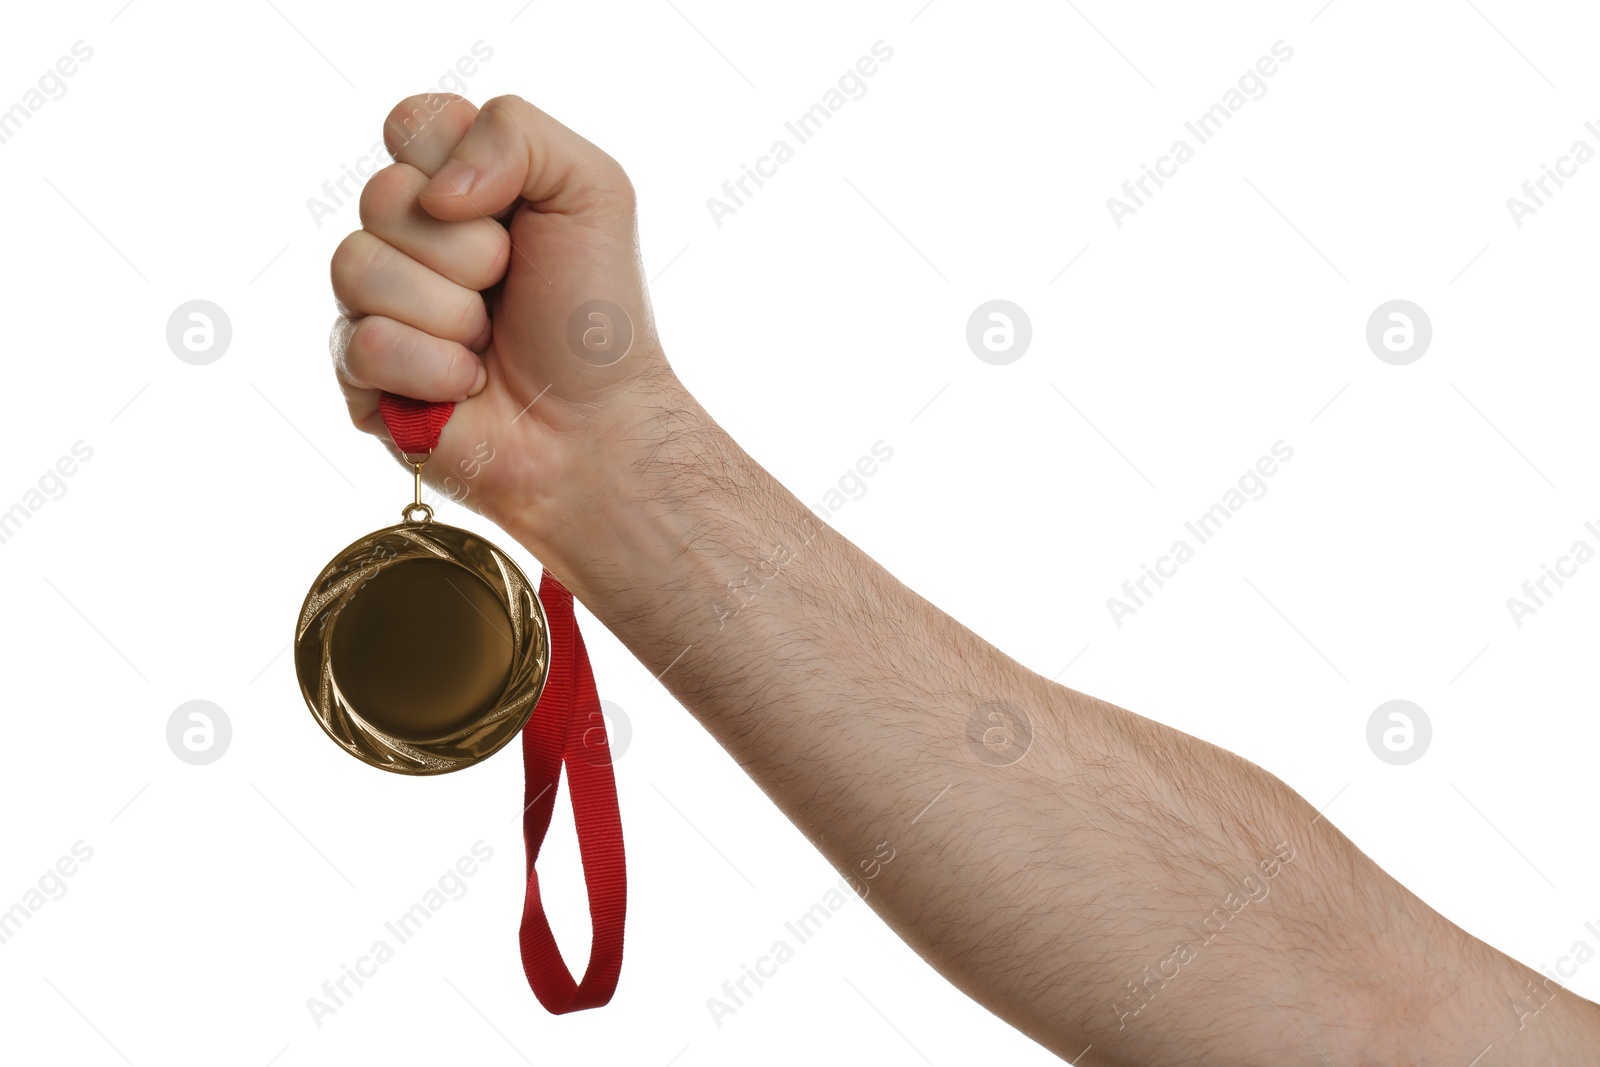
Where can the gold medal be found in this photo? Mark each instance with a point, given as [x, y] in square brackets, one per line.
[421, 648]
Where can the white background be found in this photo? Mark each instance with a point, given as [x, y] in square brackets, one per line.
[827, 314]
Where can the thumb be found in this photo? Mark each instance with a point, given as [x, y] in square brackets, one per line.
[515, 150]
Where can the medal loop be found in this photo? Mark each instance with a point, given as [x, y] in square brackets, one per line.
[416, 488]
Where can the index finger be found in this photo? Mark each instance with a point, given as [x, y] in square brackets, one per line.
[423, 130]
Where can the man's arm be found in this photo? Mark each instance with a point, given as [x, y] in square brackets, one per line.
[1119, 884]
[1097, 879]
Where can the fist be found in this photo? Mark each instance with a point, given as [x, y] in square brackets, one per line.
[497, 266]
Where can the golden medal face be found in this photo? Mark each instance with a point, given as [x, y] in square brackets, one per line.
[422, 648]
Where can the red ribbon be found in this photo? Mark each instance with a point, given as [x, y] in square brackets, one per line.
[566, 728]
[415, 425]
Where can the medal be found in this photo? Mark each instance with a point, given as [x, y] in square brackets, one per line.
[422, 649]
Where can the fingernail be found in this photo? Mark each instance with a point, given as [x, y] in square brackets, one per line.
[455, 177]
[479, 382]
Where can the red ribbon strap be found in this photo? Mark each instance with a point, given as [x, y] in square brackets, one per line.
[563, 730]
[566, 729]
[415, 425]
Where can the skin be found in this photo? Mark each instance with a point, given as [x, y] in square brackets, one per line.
[1120, 891]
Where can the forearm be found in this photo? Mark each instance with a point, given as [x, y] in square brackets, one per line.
[1105, 881]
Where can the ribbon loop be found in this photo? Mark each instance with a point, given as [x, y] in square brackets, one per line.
[567, 714]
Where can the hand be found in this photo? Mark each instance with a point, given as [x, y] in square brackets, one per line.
[479, 247]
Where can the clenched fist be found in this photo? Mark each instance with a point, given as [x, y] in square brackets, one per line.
[497, 265]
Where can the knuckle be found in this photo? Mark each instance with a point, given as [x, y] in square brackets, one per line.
[406, 108]
[363, 349]
[412, 115]
[339, 341]
[349, 263]
[483, 262]
[390, 194]
[408, 119]
[508, 107]
[355, 258]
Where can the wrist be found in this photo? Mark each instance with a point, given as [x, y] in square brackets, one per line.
[625, 494]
